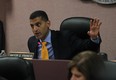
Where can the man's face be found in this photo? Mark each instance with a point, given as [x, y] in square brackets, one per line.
[40, 27]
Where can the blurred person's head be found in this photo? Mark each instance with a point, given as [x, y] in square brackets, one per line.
[40, 24]
[85, 66]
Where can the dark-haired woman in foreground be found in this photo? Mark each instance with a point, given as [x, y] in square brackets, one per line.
[86, 65]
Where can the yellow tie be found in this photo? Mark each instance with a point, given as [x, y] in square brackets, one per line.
[44, 51]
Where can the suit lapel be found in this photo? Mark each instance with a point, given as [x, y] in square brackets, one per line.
[55, 38]
[36, 49]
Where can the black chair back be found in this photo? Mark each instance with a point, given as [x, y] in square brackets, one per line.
[110, 71]
[14, 68]
[79, 25]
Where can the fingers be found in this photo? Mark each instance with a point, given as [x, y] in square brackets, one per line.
[95, 23]
[99, 24]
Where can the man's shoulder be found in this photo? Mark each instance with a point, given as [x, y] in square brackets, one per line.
[55, 32]
[32, 38]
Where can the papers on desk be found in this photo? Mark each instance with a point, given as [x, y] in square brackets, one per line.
[25, 55]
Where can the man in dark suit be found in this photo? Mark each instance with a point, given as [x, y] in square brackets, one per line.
[58, 45]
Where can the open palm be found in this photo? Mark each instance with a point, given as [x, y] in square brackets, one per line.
[94, 28]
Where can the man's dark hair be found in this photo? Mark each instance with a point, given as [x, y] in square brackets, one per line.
[39, 13]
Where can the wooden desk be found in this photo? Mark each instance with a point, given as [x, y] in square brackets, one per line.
[50, 69]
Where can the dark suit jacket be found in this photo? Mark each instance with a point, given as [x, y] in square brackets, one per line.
[65, 46]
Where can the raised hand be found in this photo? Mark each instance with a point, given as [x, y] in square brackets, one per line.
[94, 28]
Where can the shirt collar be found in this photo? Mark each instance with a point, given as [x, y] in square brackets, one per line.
[48, 37]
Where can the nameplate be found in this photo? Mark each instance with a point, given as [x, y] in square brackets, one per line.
[25, 55]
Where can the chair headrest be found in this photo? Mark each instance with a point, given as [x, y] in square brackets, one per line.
[79, 25]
